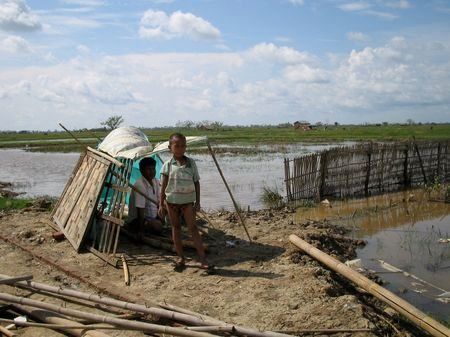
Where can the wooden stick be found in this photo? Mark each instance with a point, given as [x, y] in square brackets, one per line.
[54, 318]
[59, 326]
[106, 156]
[126, 271]
[164, 310]
[412, 313]
[13, 280]
[420, 160]
[6, 332]
[236, 207]
[70, 133]
[150, 327]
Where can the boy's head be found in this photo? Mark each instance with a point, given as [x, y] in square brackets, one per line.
[177, 144]
[147, 167]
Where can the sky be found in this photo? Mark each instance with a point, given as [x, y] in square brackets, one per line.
[239, 62]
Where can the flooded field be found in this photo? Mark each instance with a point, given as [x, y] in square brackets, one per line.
[247, 169]
[403, 230]
[406, 243]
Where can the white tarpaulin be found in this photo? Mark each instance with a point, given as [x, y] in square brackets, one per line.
[130, 142]
[164, 146]
[126, 142]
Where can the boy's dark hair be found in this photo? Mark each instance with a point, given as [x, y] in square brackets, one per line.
[176, 135]
[146, 162]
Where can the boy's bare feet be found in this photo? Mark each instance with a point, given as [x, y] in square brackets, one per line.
[179, 265]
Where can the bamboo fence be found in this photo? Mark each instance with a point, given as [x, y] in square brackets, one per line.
[366, 169]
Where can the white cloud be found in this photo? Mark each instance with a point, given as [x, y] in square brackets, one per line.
[15, 15]
[354, 6]
[272, 53]
[157, 24]
[162, 1]
[304, 73]
[15, 44]
[357, 36]
[89, 3]
[297, 2]
[395, 81]
[381, 15]
[399, 4]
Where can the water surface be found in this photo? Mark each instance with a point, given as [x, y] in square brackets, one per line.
[402, 231]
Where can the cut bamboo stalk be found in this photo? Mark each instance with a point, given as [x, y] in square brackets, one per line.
[165, 310]
[78, 330]
[13, 279]
[148, 327]
[6, 332]
[236, 207]
[412, 313]
[126, 271]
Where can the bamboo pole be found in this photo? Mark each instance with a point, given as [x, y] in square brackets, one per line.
[165, 310]
[6, 332]
[126, 271]
[70, 327]
[236, 207]
[15, 279]
[164, 313]
[150, 327]
[420, 161]
[412, 313]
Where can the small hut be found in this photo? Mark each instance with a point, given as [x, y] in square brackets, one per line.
[90, 211]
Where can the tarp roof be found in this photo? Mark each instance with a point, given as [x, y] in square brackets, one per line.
[130, 142]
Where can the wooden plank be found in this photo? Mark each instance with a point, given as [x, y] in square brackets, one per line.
[71, 198]
[80, 218]
[117, 221]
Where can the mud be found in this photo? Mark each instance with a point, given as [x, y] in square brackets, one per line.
[267, 284]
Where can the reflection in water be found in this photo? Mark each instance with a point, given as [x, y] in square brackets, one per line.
[402, 229]
[37, 173]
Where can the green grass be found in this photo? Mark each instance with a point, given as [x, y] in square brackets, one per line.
[9, 203]
[62, 141]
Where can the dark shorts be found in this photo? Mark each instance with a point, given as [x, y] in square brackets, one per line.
[178, 208]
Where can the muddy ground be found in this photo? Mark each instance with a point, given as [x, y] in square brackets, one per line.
[267, 284]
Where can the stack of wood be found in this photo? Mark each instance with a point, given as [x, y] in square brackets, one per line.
[157, 319]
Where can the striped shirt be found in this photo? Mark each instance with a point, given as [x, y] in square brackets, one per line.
[181, 178]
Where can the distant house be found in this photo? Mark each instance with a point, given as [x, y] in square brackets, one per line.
[204, 127]
[303, 125]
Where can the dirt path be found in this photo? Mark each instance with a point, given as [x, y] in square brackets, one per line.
[266, 285]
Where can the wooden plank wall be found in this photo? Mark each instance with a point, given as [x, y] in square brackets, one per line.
[80, 197]
[366, 169]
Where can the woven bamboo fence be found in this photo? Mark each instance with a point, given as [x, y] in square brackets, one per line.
[366, 169]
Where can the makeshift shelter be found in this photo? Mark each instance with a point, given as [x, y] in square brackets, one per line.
[90, 211]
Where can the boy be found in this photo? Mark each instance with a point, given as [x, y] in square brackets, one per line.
[144, 213]
[180, 196]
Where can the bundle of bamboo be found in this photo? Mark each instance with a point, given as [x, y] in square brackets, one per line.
[179, 321]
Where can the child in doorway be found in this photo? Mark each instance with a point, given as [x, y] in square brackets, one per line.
[180, 196]
[143, 213]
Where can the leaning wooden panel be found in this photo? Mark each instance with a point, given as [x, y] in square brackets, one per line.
[68, 198]
[80, 199]
[78, 223]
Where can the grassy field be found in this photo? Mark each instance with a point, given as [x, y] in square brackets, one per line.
[12, 203]
[62, 141]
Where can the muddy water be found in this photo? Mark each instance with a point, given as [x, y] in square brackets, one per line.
[402, 231]
[247, 170]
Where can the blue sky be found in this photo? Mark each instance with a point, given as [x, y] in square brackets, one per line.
[157, 62]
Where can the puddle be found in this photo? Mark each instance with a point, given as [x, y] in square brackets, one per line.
[402, 231]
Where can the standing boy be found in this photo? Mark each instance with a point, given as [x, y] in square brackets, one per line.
[180, 196]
